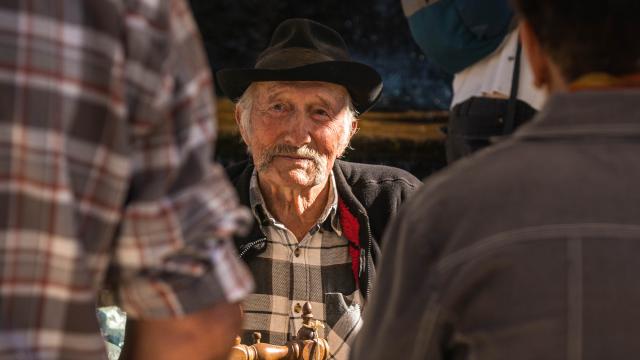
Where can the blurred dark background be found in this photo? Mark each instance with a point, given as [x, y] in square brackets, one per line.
[376, 32]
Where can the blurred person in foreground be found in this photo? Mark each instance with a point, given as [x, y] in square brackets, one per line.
[106, 123]
[319, 220]
[537, 257]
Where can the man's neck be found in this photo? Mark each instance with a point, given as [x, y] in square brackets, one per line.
[297, 208]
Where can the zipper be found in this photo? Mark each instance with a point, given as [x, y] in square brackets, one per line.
[368, 251]
[246, 247]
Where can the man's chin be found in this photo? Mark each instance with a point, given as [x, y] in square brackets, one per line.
[298, 178]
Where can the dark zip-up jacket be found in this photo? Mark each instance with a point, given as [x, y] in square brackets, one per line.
[372, 193]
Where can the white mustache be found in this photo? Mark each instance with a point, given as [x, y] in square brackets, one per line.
[284, 150]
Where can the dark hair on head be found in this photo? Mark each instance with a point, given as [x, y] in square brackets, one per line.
[583, 36]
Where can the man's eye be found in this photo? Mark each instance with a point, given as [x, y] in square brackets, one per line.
[320, 112]
[278, 107]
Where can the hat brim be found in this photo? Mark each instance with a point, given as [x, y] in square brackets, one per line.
[363, 83]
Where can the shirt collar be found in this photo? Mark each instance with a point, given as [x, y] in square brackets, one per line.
[328, 220]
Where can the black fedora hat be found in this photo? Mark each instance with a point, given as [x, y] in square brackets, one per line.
[304, 50]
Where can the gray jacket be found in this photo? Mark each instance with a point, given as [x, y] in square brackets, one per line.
[529, 250]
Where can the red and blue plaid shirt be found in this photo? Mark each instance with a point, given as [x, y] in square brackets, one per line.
[106, 123]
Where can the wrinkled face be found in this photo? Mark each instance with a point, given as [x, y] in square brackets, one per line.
[296, 130]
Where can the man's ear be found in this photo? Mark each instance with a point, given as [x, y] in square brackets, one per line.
[537, 56]
[354, 128]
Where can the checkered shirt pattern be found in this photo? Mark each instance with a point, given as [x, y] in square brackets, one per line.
[106, 125]
[289, 273]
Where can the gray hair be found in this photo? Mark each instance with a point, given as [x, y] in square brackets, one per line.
[245, 103]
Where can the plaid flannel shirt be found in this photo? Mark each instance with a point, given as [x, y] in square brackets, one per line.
[106, 123]
[289, 273]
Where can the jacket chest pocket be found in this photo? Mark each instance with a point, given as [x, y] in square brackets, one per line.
[343, 314]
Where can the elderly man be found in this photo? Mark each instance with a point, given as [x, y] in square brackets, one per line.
[319, 220]
[537, 256]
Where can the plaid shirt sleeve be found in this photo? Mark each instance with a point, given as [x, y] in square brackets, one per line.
[106, 123]
[174, 255]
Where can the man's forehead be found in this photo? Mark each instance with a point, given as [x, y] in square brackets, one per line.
[319, 87]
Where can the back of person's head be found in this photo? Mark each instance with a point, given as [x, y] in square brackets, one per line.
[586, 36]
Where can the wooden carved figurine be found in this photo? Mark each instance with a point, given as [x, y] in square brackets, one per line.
[307, 345]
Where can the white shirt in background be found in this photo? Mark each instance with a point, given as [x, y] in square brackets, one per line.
[492, 76]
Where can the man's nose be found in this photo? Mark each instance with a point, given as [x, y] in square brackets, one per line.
[298, 132]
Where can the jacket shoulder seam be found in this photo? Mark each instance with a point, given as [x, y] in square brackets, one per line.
[389, 180]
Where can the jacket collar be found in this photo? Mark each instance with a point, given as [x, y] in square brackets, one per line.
[344, 189]
[597, 113]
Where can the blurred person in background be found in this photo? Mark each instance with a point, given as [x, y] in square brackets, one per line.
[477, 41]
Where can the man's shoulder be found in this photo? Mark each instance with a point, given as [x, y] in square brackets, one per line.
[486, 169]
[370, 174]
[472, 197]
[496, 180]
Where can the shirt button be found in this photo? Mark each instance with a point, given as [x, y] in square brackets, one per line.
[297, 252]
[297, 308]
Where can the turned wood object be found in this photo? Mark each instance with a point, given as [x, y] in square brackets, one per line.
[307, 345]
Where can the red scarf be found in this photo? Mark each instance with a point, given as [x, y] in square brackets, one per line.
[351, 230]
